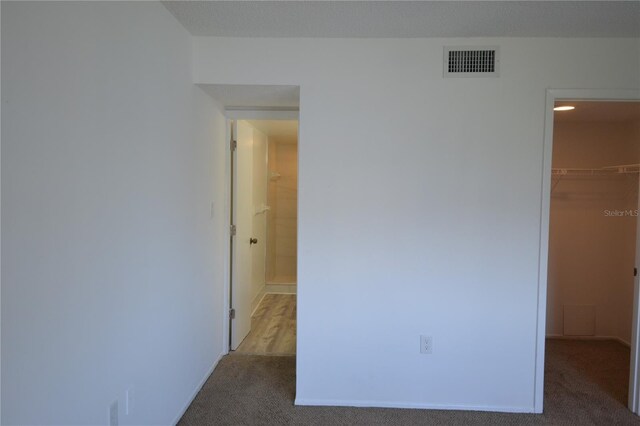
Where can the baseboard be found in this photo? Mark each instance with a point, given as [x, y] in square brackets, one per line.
[624, 342]
[410, 405]
[256, 300]
[195, 392]
[563, 337]
[281, 288]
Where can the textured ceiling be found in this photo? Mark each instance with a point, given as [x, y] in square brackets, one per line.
[254, 96]
[408, 18]
[594, 111]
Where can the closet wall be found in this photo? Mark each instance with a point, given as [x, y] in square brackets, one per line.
[282, 220]
[272, 201]
[592, 231]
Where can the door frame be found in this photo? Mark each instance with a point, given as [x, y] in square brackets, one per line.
[232, 115]
[552, 96]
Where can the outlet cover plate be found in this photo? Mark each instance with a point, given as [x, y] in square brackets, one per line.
[426, 344]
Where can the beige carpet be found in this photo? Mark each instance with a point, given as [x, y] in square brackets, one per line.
[586, 384]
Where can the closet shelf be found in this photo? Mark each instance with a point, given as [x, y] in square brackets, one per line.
[620, 171]
[602, 171]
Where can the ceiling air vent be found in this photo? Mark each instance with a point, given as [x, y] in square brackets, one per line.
[471, 61]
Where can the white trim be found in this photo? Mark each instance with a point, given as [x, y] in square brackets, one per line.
[226, 234]
[634, 363]
[396, 404]
[282, 294]
[538, 384]
[257, 300]
[551, 97]
[198, 387]
[281, 288]
[262, 113]
[300, 356]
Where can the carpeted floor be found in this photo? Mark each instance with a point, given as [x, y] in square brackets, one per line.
[585, 384]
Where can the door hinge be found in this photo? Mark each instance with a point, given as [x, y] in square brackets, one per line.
[234, 145]
[635, 272]
[232, 229]
[232, 313]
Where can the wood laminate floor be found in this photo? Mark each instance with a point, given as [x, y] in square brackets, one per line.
[273, 327]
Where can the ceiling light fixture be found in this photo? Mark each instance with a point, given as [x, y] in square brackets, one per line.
[564, 108]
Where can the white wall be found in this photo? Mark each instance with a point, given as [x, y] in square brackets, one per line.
[112, 270]
[419, 205]
[592, 253]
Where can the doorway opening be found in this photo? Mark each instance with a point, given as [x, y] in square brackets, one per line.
[264, 211]
[592, 248]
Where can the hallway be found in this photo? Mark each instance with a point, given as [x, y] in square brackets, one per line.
[273, 327]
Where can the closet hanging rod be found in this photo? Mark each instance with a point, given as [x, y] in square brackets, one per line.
[602, 171]
[624, 168]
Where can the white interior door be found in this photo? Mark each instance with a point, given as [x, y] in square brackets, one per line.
[634, 376]
[242, 217]
[258, 249]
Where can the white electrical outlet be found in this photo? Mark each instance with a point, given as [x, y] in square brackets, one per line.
[426, 344]
[113, 413]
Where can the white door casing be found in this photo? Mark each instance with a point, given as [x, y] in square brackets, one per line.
[634, 378]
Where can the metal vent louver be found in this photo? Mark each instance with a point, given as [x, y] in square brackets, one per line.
[471, 62]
